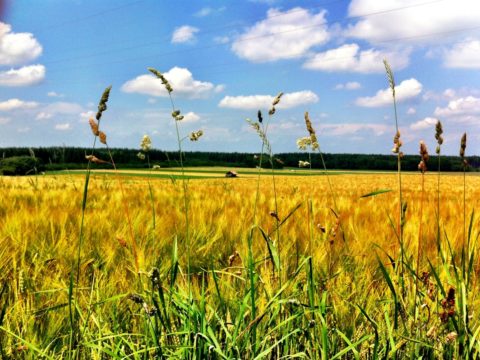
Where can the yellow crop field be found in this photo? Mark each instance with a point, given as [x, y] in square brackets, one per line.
[327, 276]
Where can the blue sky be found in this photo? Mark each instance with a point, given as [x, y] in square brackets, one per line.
[227, 59]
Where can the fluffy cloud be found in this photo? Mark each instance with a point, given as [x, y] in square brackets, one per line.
[464, 106]
[464, 55]
[407, 89]
[63, 127]
[190, 117]
[206, 11]
[184, 34]
[407, 19]
[16, 104]
[182, 82]
[353, 128]
[349, 58]
[17, 48]
[426, 123]
[352, 85]
[25, 76]
[85, 115]
[282, 35]
[255, 102]
[59, 108]
[411, 111]
[43, 115]
[54, 94]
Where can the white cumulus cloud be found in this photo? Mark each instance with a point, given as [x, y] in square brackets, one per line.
[352, 85]
[190, 117]
[464, 55]
[353, 128]
[24, 76]
[252, 102]
[182, 82]
[406, 90]
[469, 105]
[184, 34]
[349, 58]
[54, 94]
[407, 19]
[17, 48]
[425, 123]
[63, 127]
[282, 35]
[16, 104]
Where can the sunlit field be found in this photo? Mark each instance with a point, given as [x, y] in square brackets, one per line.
[328, 284]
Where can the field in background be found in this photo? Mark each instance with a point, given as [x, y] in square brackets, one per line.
[39, 236]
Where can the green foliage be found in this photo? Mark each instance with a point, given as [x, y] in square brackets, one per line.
[20, 165]
[61, 158]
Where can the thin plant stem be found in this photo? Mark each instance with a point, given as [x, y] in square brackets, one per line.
[185, 201]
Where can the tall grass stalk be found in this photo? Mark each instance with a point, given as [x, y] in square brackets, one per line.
[178, 117]
[102, 106]
[398, 152]
[463, 146]
[438, 151]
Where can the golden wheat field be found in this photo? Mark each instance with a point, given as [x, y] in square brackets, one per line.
[331, 280]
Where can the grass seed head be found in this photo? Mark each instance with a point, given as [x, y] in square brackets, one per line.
[95, 159]
[391, 79]
[422, 166]
[102, 105]
[463, 145]
[259, 116]
[159, 75]
[311, 131]
[277, 99]
[195, 135]
[102, 137]
[93, 126]
[397, 143]
[146, 144]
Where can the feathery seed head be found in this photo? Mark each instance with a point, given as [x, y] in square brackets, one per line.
[271, 111]
[175, 113]
[93, 126]
[102, 137]
[397, 143]
[261, 134]
[141, 156]
[313, 137]
[159, 75]
[391, 79]
[303, 163]
[463, 145]
[259, 116]
[277, 99]
[95, 160]
[102, 105]
[146, 144]
[304, 142]
[195, 135]
[438, 136]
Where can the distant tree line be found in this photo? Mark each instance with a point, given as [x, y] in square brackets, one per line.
[58, 158]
